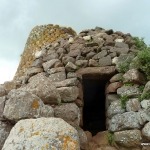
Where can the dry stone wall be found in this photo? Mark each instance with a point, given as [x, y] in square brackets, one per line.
[51, 86]
[40, 36]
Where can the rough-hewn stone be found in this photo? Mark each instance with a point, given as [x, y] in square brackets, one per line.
[2, 91]
[22, 104]
[41, 86]
[117, 77]
[115, 108]
[68, 112]
[134, 76]
[112, 87]
[105, 61]
[4, 132]
[127, 120]
[67, 82]
[133, 105]
[130, 91]
[2, 104]
[57, 77]
[145, 104]
[68, 94]
[146, 131]
[49, 64]
[128, 138]
[42, 133]
[70, 67]
[101, 71]
[32, 71]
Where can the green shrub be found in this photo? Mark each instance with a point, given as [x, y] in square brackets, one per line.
[123, 67]
[145, 96]
[143, 58]
[139, 43]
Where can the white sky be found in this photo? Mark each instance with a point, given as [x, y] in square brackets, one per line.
[18, 17]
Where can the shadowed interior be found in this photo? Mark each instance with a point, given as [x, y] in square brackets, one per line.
[94, 105]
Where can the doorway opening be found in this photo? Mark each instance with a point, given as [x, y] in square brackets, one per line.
[94, 119]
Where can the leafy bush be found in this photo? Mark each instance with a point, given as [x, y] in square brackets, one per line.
[139, 43]
[143, 58]
[123, 67]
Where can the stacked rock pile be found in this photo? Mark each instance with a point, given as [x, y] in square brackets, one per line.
[51, 87]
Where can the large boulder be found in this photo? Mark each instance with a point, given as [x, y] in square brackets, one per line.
[4, 132]
[22, 104]
[41, 86]
[42, 133]
[68, 112]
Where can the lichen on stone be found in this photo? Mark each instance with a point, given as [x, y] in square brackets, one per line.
[39, 37]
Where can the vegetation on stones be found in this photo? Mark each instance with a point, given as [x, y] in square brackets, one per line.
[124, 99]
[110, 137]
[145, 96]
[143, 57]
[128, 84]
[142, 61]
[141, 88]
[124, 66]
[139, 43]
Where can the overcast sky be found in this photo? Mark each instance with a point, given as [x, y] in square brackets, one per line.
[18, 17]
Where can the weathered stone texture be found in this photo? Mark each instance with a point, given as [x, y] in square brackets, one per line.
[2, 105]
[4, 132]
[68, 112]
[68, 94]
[22, 104]
[42, 133]
[128, 138]
[41, 86]
[40, 36]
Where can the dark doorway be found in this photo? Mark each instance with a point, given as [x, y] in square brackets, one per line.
[94, 105]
